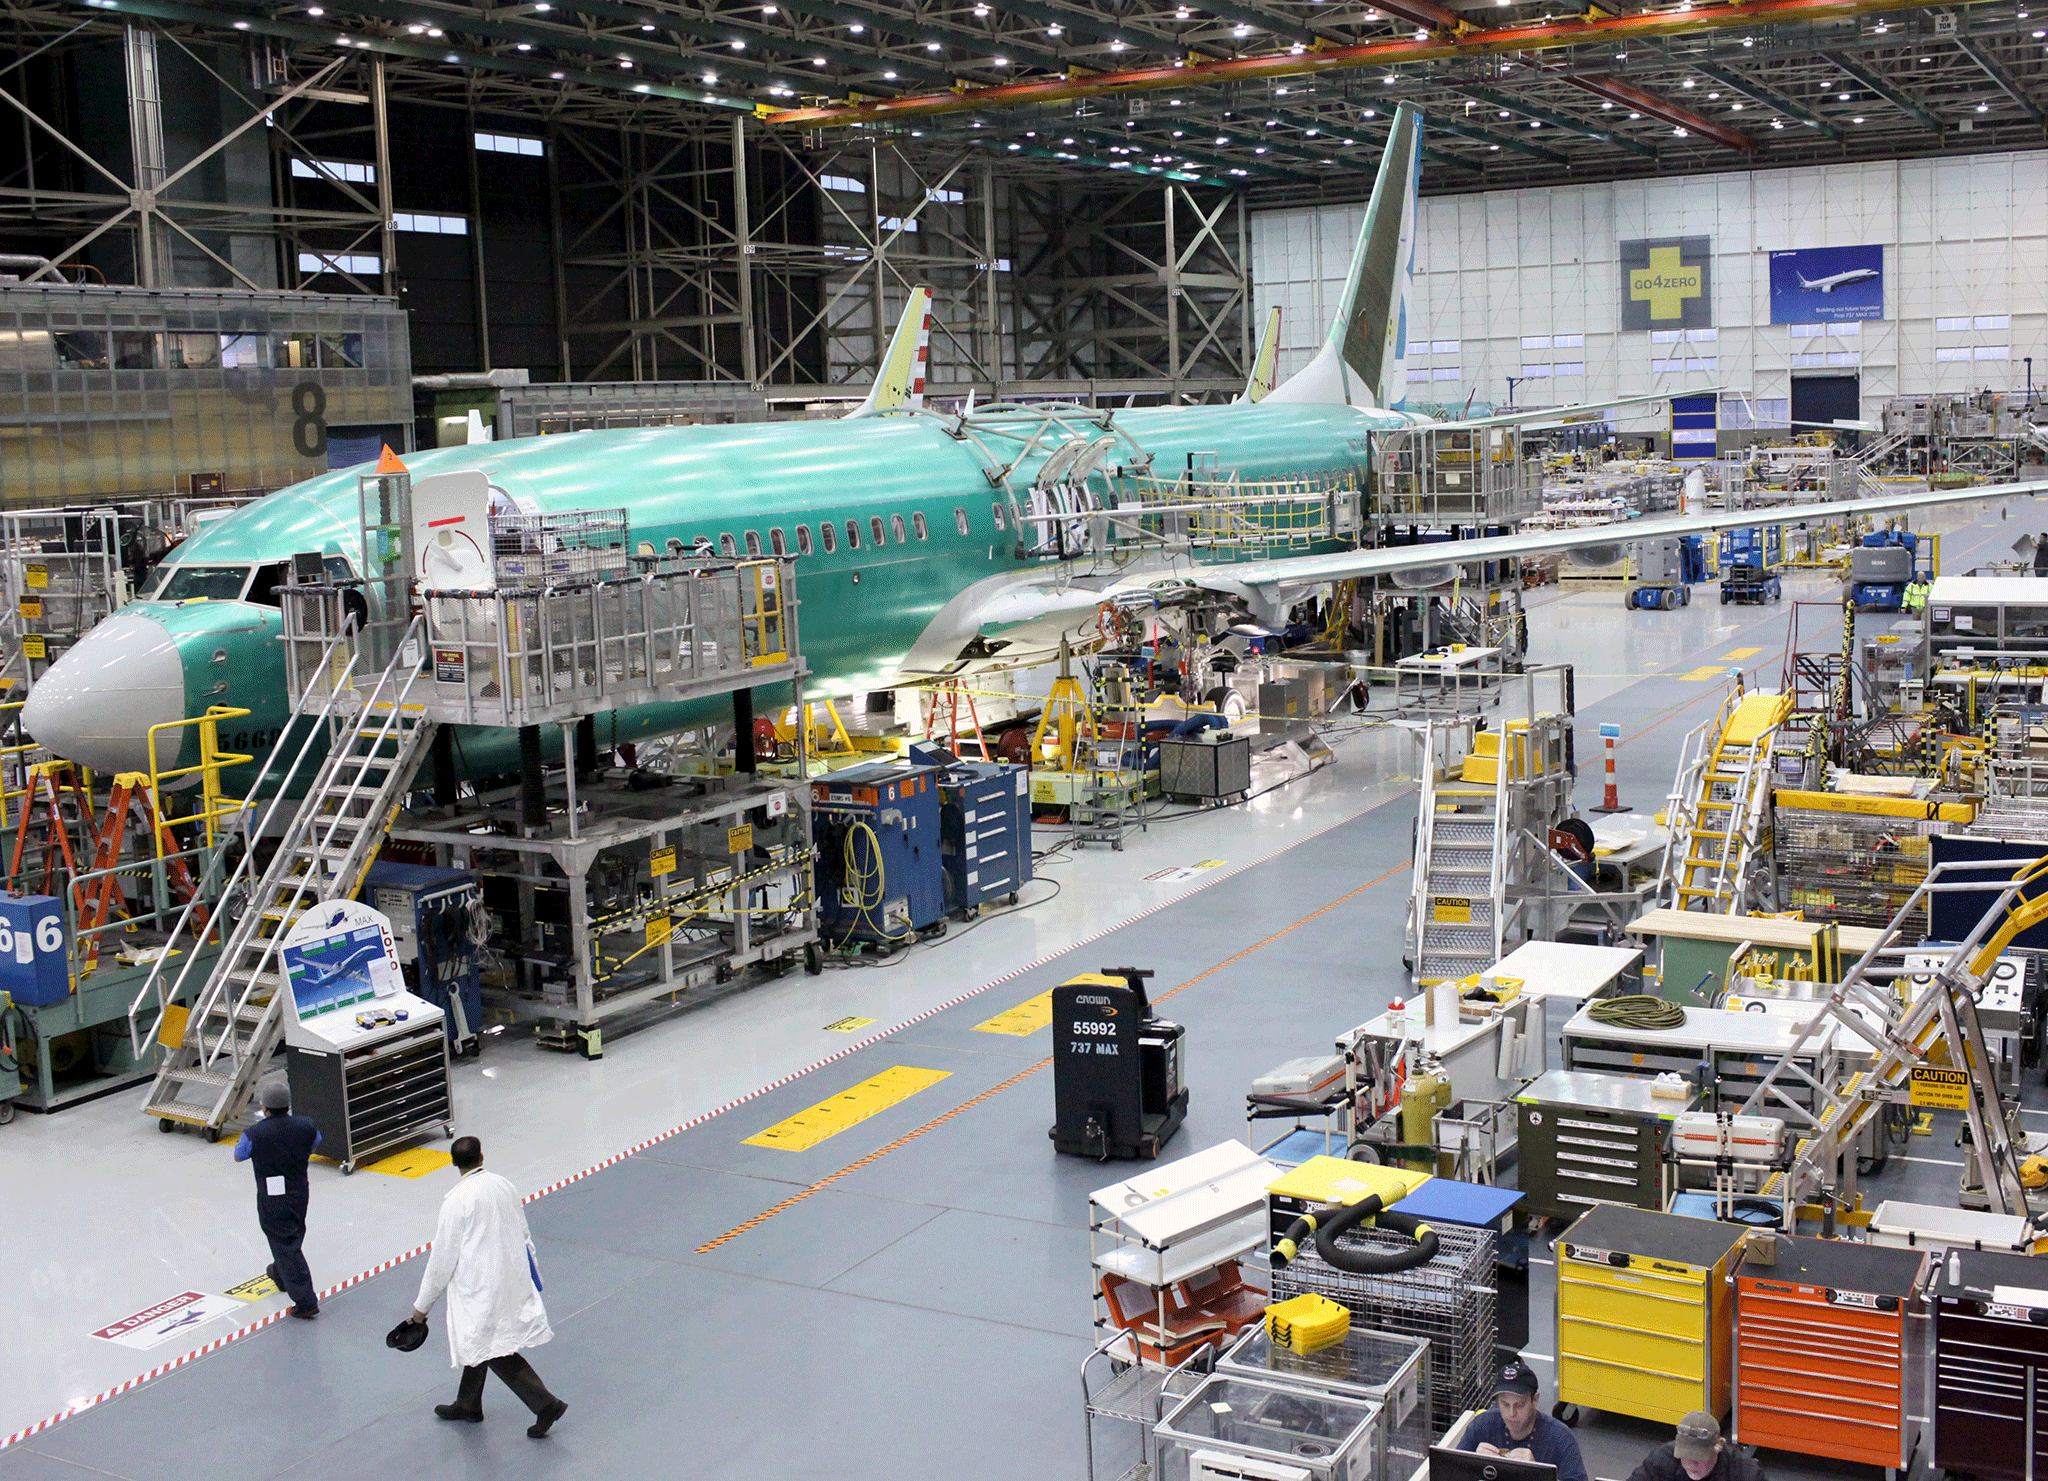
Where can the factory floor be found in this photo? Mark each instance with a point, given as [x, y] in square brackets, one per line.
[906, 1298]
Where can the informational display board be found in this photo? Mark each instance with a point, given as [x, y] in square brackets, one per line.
[1819, 285]
[1667, 283]
[338, 955]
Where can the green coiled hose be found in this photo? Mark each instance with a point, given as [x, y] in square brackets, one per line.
[1637, 1011]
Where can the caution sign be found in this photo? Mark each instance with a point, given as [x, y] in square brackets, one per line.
[1452, 910]
[739, 840]
[449, 667]
[662, 861]
[33, 646]
[659, 929]
[1939, 1089]
[31, 609]
[36, 574]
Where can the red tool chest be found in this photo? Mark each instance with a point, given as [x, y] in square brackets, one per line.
[1824, 1341]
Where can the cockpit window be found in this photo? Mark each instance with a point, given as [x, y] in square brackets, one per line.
[215, 583]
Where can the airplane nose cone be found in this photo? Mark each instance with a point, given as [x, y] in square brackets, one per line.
[96, 704]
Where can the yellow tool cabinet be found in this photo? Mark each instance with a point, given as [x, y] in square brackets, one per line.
[1644, 1315]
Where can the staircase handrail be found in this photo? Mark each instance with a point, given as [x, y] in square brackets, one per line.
[405, 653]
[181, 928]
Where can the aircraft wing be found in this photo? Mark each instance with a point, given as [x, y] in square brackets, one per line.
[1560, 415]
[1277, 576]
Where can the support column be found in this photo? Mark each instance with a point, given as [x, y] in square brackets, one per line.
[146, 153]
[743, 731]
[476, 253]
[380, 129]
[533, 796]
[1172, 300]
[554, 148]
[743, 252]
[991, 322]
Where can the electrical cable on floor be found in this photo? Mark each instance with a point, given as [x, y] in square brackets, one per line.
[896, 958]
[1637, 1011]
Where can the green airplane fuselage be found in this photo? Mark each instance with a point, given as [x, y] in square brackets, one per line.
[862, 604]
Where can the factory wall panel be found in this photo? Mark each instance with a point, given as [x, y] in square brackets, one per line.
[1966, 282]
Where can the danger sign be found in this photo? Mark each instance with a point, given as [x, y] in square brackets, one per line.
[167, 1319]
[1939, 1089]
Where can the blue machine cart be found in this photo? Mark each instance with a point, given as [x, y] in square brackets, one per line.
[985, 828]
[433, 916]
[880, 872]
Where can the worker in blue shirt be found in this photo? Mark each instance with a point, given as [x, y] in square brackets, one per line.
[278, 1146]
[1518, 1429]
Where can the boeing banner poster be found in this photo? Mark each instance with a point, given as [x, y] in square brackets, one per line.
[1820, 284]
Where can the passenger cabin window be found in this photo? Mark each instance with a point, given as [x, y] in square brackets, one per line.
[917, 523]
[775, 542]
[896, 528]
[674, 546]
[875, 525]
[753, 543]
[996, 513]
[727, 546]
[960, 519]
[803, 539]
[853, 534]
[825, 533]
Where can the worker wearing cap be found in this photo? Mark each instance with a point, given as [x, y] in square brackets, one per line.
[1698, 1453]
[1516, 1428]
[278, 1146]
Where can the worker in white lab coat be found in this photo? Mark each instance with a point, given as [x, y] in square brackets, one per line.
[483, 1258]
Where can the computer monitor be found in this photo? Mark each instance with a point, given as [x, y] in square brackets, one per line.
[1470, 1465]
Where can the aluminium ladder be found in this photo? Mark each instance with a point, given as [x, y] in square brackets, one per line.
[1937, 1029]
[236, 1021]
[1719, 808]
[1481, 843]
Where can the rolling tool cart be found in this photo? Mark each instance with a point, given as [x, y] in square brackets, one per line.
[1644, 1319]
[1387, 1368]
[880, 871]
[1588, 1138]
[984, 833]
[1826, 1341]
[1991, 1366]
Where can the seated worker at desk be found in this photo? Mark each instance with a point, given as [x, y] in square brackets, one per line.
[1518, 1429]
[1698, 1453]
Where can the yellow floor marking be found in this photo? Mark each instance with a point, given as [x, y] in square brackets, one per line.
[256, 1288]
[847, 1109]
[1028, 1017]
[413, 1162]
[1701, 675]
[848, 1025]
[1741, 653]
[1209, 863]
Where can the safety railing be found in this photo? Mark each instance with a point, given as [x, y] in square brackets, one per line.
[215, 807]
[16, 758]
[529, 655]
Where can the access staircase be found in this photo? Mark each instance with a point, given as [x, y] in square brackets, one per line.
[1476, 861]
[1718, 813]
[1936, 1029]
[236, 1021]
[1873, 453]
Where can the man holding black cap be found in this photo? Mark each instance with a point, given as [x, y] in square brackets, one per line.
[1698, 1453]
[1516, 1428]
[278, 1146]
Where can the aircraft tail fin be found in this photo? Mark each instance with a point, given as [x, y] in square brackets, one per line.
[1363, 361]
[1259, 385]
[899, 385]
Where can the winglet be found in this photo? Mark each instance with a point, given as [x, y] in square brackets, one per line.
[900, 383]
[1259, 384]
[1363, 361]
[388, 463]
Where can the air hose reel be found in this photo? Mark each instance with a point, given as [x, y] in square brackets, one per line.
[1326, 1223]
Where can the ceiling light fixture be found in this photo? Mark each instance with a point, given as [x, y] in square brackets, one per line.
[648, 27]
[1053, 29]
[886, 76]
[1372, 113]
[999, 61]
[739, 46]
[856, 28]
[1116, 46]
[526, 46]
[931, 46]
[1240, 30]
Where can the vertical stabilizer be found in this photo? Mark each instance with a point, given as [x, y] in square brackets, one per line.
[900, 382]
[1363, 361]
[1259, 385]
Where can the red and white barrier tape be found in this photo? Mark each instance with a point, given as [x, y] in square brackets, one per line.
[1217, 877]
